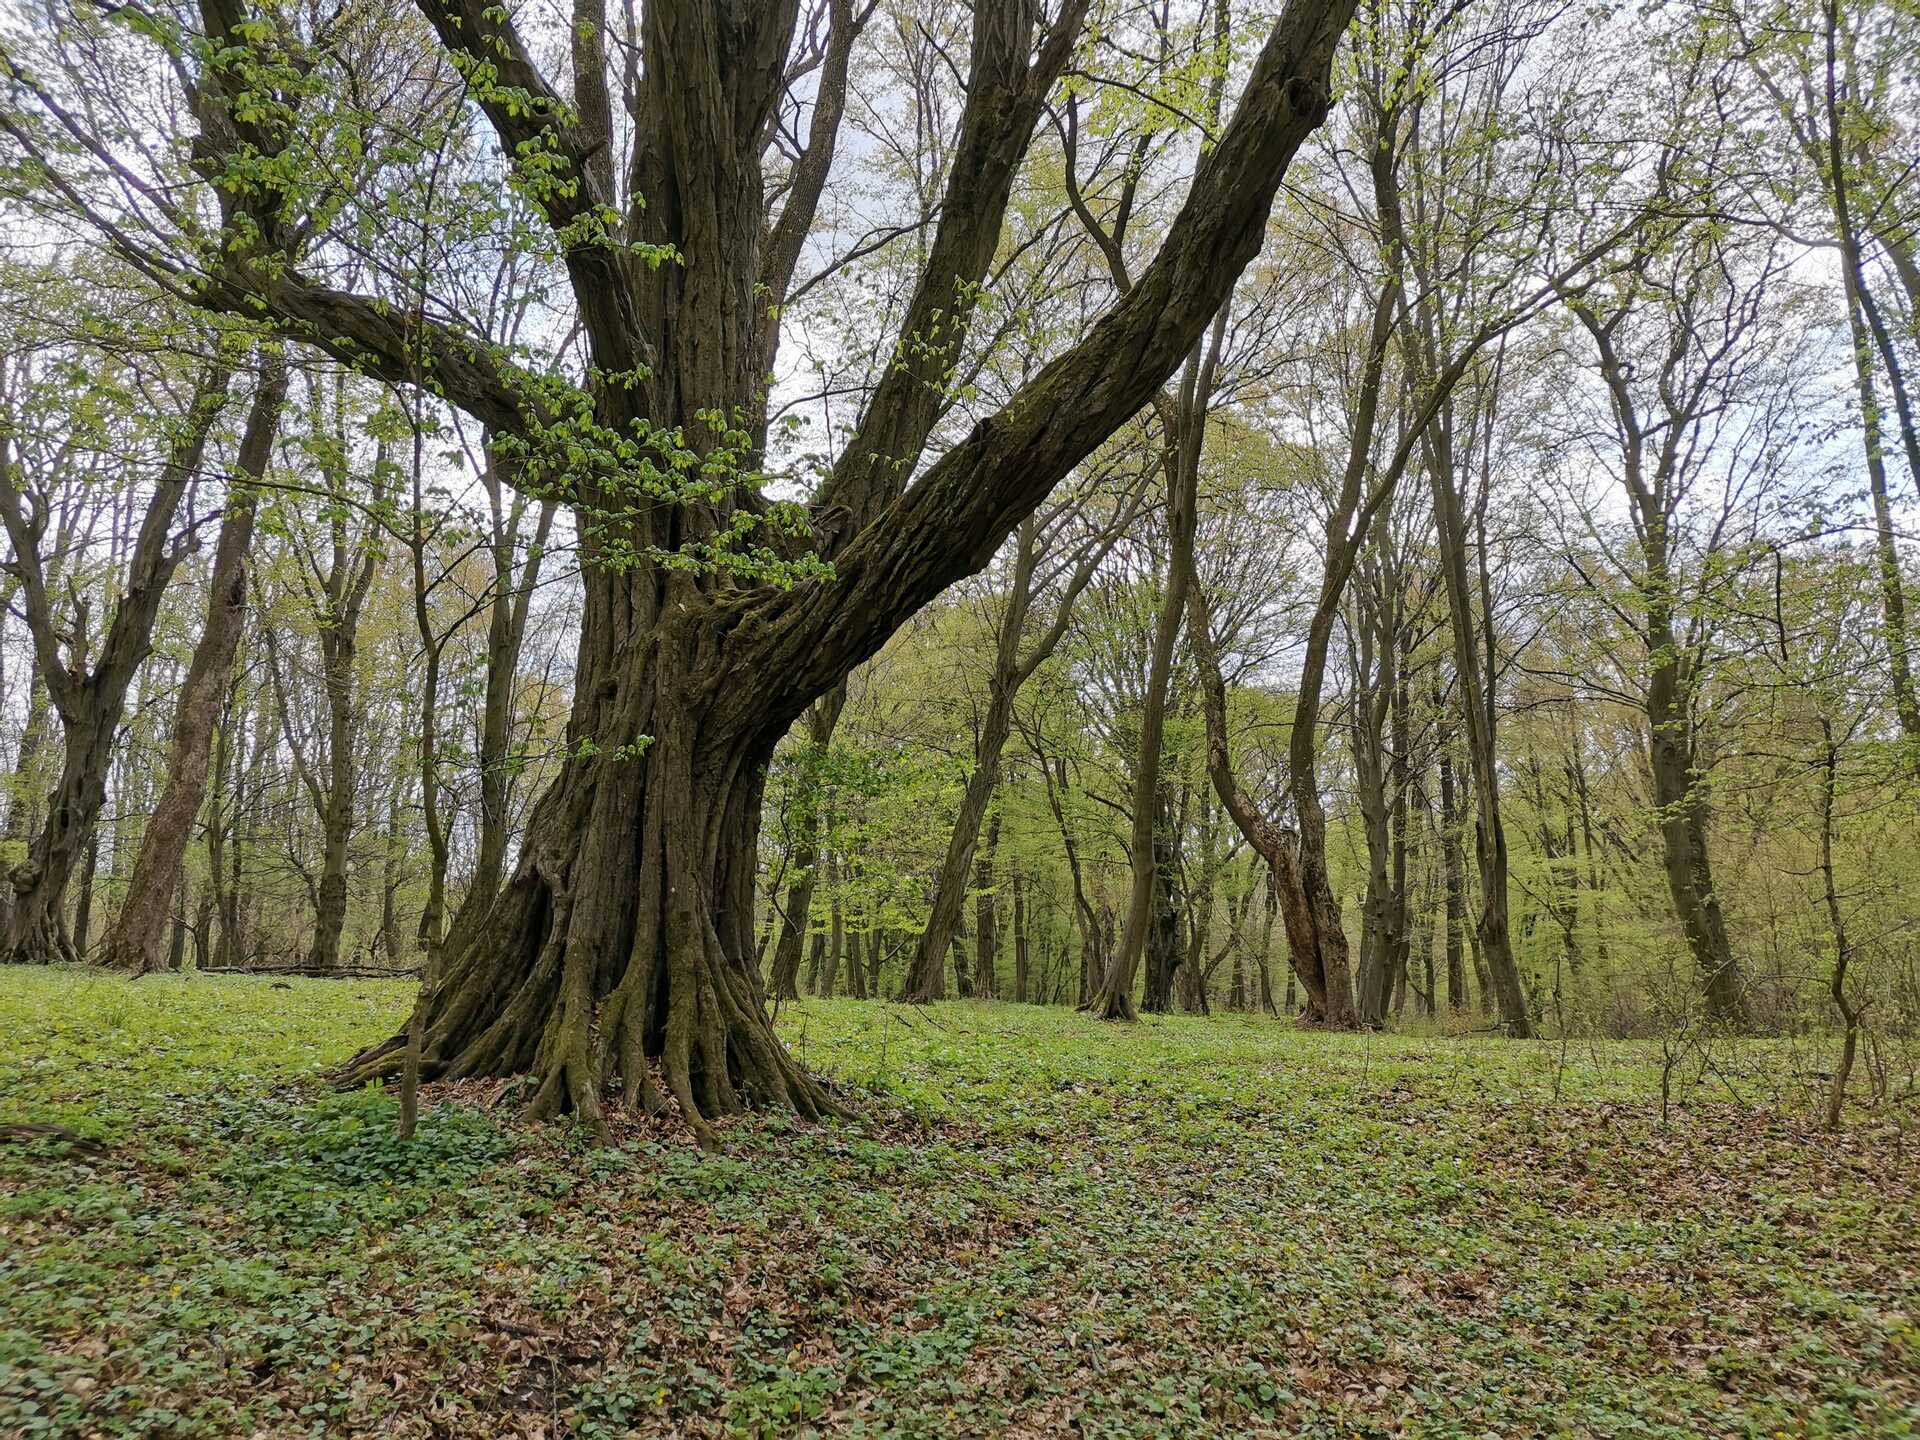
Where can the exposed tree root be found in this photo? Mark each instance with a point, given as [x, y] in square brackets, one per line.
[44, 941]
[706, 1028]
[1117, 1006]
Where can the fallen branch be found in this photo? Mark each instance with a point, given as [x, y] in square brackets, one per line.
[24, 1133]
[316, 972]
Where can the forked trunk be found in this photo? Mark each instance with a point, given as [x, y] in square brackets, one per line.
[1477, 674]
[625, 936]
[1145, 931]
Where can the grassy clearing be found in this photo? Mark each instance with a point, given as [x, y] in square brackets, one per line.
[1036, 1226]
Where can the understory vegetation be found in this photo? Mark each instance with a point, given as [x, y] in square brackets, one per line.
[624, 628]
[1028, 1225]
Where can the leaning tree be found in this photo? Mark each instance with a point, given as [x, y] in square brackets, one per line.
[624, 934]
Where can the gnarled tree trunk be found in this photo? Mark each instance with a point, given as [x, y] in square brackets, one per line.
[626, 932]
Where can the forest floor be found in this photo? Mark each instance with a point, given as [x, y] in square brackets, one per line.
[1034, 1225]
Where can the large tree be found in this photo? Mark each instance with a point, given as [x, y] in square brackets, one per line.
[625, 932]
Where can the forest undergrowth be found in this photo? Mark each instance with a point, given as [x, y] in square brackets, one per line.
[1032, 1224]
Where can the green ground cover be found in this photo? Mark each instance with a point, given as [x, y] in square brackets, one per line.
[1033, 1225]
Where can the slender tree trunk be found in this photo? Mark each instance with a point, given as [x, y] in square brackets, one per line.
[1482, 981]
[1477, 707]
[1893, 600]
[962, 963]
[925, 975]
[986, 917]
[1836, 920]
[1237, 980]
[1022, 960]
[1164, 952]
[203, 930]
[1422, 947]
[134, 942]
[1577, 778]
[1086, 921]
[1861, 305]
[1681, 802]
[1450, 860]
[856, 968]
[1399, 936]
[1297, 874]
[392, 877]
[1193, 968]
[507, 614]
[823, 716]
[1679, 794]
[177, 946]
[1011, 670]
[1269, 907]
[1186, 425]
[338, 603]
[83, 907]
[1475, 678]
[251, 740]
[1374, 682]
[433, 915]
[226, 898]
[816, 961]
[340, 648]
[837, 944]
[90, 701]
[1321, 959]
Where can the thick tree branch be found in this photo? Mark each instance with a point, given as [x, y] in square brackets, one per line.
[954, 519]
[1005, 94]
